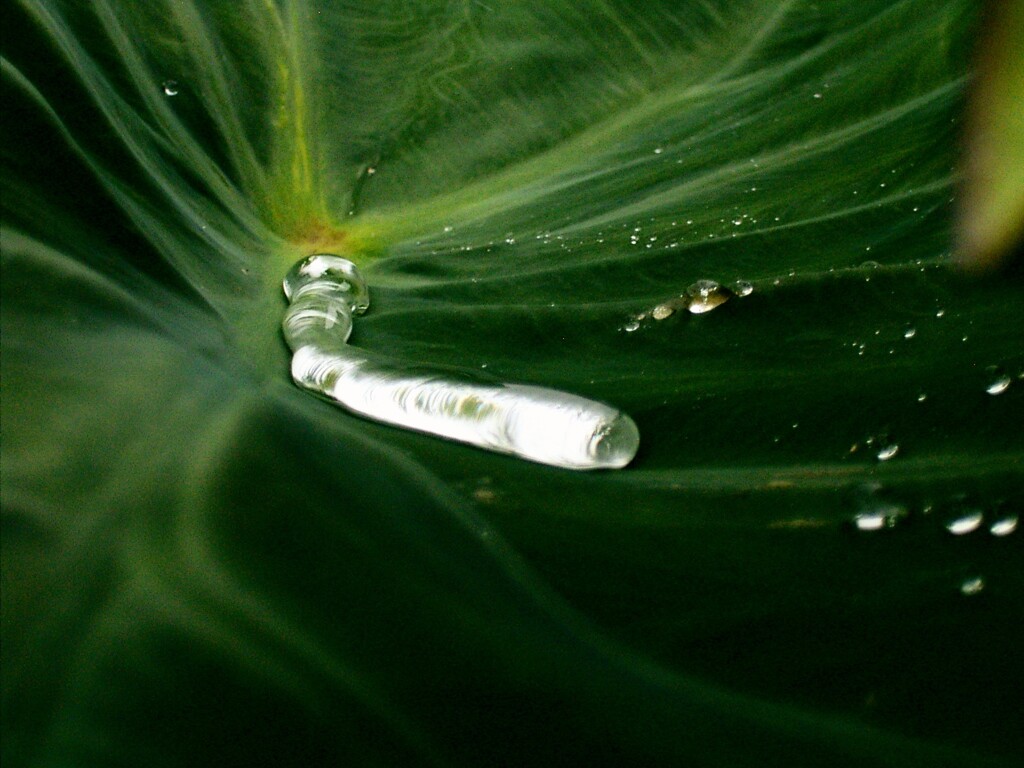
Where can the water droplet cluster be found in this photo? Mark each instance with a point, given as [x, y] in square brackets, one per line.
[543, 425]
[701, 297]
[955, 518]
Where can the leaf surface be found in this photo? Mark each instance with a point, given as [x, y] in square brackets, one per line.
[204, 565]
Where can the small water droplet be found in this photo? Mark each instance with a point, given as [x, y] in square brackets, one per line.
[922, 397]
[999, 385]
[910, 332]
[940, 313]
[170, 87]
[1004, 526]
[888, 451]
[743, 287]
[631, 325]
[965, 523]
[658, 150]
[817, 95]
[448, 228]
[662, 311]
[705, 295]
[879, 517]
[972, 586]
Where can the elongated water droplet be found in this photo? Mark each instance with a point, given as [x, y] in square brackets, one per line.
[879, 516]
[909, 332]
[972, 586]
[999, 385]
[965, 523]
[531, 422]
[534, 423]
[170, 87]
[889, 451]
[1004, 526]
[662, 311]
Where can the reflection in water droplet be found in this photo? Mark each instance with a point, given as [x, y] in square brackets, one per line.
[966, 523]
[888, 451]
[1000, 385]
[170, 87]
[632, 325]
[1004, 526]
[705, 295]
[328, 269]
[972, 586]
[320, 314]
[922, 397]
[910, 332]
[662, 311]
[743, 287]
[534, 423]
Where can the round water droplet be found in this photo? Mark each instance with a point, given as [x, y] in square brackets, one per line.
[662, 311]
[705, 295]
[632, 325]
[170, 87]
[965, 523]
[743, 287]
[999, 385]
[326, 268]
[1004, 526]
[972, 586]
[887, 452]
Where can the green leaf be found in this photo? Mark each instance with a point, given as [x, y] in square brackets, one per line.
[202, 564]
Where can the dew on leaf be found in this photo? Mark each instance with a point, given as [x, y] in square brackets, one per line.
[972, 586]
[706, 295]
[999, 385]
[887, 452]
[964, 523]
[534, 423]
[1004, 526]
[879, 516]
